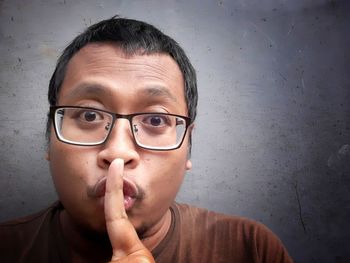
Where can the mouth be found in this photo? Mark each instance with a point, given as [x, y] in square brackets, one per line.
[130, 192]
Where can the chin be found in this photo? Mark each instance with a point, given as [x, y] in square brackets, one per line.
[94, 229]
[96, 225]
[142, 228]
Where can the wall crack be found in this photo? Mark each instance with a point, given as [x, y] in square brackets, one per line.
[299, 206]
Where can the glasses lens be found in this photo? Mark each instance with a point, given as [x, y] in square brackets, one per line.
[82, 125]
[158, 131]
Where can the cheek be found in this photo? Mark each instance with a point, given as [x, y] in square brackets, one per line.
[69, 167]
[168, 171]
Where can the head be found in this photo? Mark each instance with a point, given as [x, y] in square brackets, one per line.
[132, 37]
[122, 66]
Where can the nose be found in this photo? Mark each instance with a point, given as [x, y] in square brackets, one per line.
[120, 144]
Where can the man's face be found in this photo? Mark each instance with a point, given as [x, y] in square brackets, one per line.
[102, 76]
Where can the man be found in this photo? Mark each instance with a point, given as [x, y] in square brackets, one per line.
[123, 102]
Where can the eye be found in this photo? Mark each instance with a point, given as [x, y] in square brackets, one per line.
[90, 116]
[156, 120]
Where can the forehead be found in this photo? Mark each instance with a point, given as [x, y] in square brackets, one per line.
[106, 66]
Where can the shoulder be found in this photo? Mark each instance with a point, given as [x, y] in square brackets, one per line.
[195, 215]
[30, 233]
[30, 220]
[250, 238]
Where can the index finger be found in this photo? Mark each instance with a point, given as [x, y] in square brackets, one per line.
[121, 232]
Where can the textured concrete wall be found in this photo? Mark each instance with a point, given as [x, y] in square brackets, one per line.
[272, 140]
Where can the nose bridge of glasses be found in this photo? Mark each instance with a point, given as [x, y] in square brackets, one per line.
[120, 125]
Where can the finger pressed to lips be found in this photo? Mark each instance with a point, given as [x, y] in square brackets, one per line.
[131, 193]
[121, 232]
[114, 196]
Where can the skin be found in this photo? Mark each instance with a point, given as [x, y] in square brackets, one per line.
[102, 76]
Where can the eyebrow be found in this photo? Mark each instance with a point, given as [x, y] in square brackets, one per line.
[157, 91]
[86, 89]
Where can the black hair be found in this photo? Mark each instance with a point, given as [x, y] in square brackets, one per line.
[133, 37]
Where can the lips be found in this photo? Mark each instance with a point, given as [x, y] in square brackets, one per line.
[130, 191]
[99, 189]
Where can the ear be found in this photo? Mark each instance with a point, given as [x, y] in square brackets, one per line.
[47, 155]
[188, 165]
[188, 162]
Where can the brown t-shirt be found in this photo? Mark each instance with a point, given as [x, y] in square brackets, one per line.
[199, 235]
[195, 235]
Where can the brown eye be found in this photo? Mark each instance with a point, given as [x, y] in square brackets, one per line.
[155, 121]
[90, 116]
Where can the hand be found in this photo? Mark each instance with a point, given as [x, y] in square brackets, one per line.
[127, 247]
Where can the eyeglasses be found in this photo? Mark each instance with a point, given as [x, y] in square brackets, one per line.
[86, 126]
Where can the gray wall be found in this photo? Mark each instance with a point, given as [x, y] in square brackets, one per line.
[272, 140]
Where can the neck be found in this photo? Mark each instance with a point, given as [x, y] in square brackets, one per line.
[89, 246]
[154, 235]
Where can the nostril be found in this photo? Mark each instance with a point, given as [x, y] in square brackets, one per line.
[128, 162]
[106, 162]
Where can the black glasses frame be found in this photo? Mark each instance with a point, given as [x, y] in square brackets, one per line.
[116, 116]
